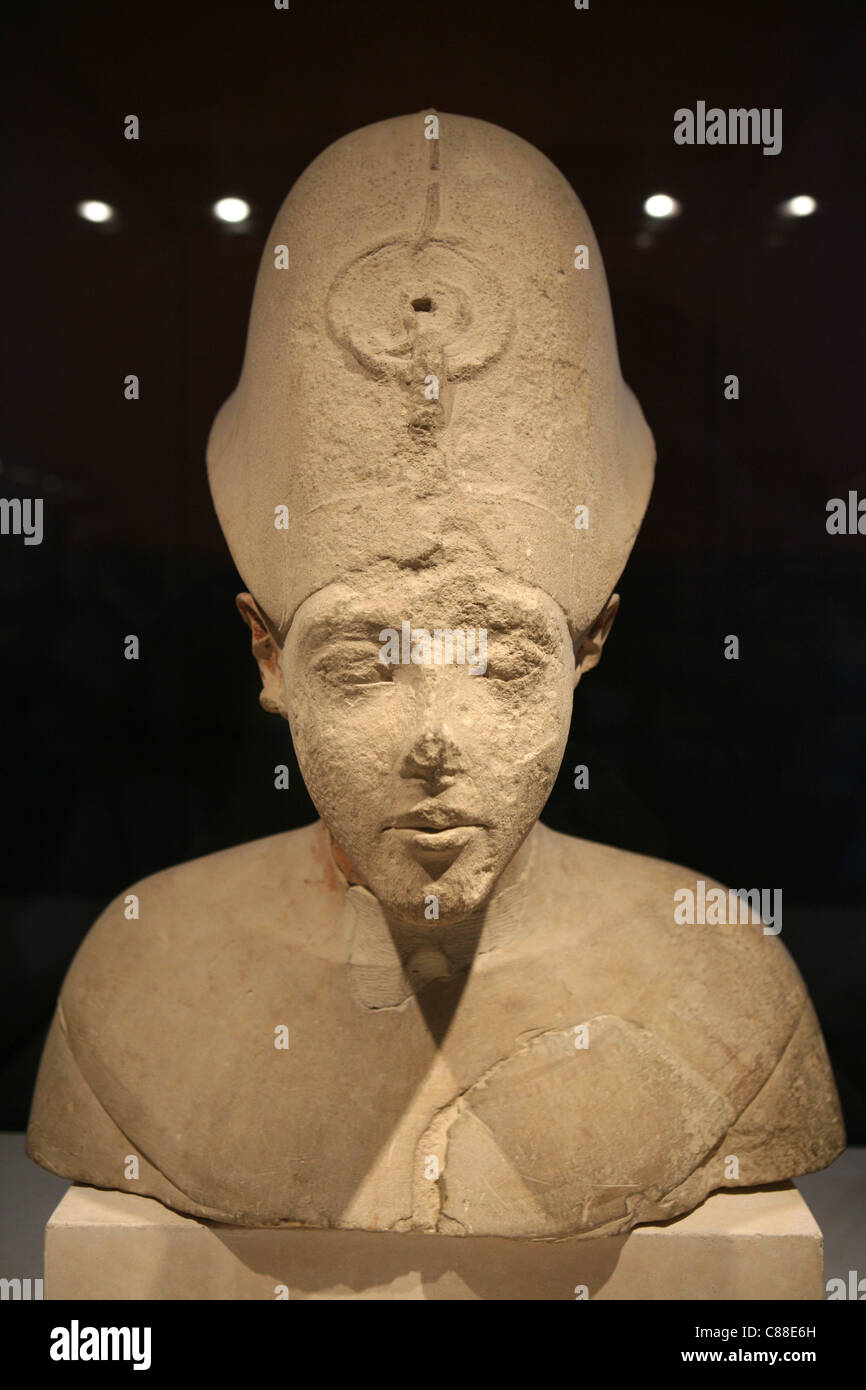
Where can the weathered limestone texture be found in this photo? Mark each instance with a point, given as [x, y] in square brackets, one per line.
[428, 1012]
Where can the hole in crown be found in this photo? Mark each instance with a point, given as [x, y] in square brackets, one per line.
[423, 305]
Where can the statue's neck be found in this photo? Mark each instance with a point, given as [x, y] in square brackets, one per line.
[390, 959]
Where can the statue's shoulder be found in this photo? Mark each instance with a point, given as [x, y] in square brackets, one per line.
[263, 886]
[678, 927]
[177, 964]
[179, 950]
[672, 952]
[699, 1034]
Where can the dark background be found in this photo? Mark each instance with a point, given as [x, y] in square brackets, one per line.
[750, 771]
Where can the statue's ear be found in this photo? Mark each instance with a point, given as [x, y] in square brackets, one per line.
[588, 653]
[267, 654]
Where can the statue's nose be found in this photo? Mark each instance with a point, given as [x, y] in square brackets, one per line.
[434, 758]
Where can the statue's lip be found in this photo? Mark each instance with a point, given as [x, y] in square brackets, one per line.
[436, 846]
[433, 820]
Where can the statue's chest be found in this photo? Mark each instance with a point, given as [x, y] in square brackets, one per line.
[501, 1109]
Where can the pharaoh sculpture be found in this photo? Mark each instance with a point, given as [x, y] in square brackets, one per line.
[491, 1028]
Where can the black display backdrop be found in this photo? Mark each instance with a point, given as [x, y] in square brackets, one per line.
[750, 771]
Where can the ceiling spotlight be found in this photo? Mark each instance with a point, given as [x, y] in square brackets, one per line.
[660, 205]
[92, 210]
[231, 210]
[801, 206]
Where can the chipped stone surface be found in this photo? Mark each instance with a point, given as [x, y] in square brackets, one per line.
[572, 1165]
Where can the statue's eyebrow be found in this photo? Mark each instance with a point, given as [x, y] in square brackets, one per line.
[496, 613]
[536, 627]
[341, 627]
[511, 615]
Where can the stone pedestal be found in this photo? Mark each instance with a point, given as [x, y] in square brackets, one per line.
[113, 1245]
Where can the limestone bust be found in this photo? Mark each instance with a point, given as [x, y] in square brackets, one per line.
[430, 476]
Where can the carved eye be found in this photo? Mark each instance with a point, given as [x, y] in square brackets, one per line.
[366, 673]
[353, 664]
[512, 657]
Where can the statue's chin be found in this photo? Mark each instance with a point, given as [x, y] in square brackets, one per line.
[430, 885]
[440, 903]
